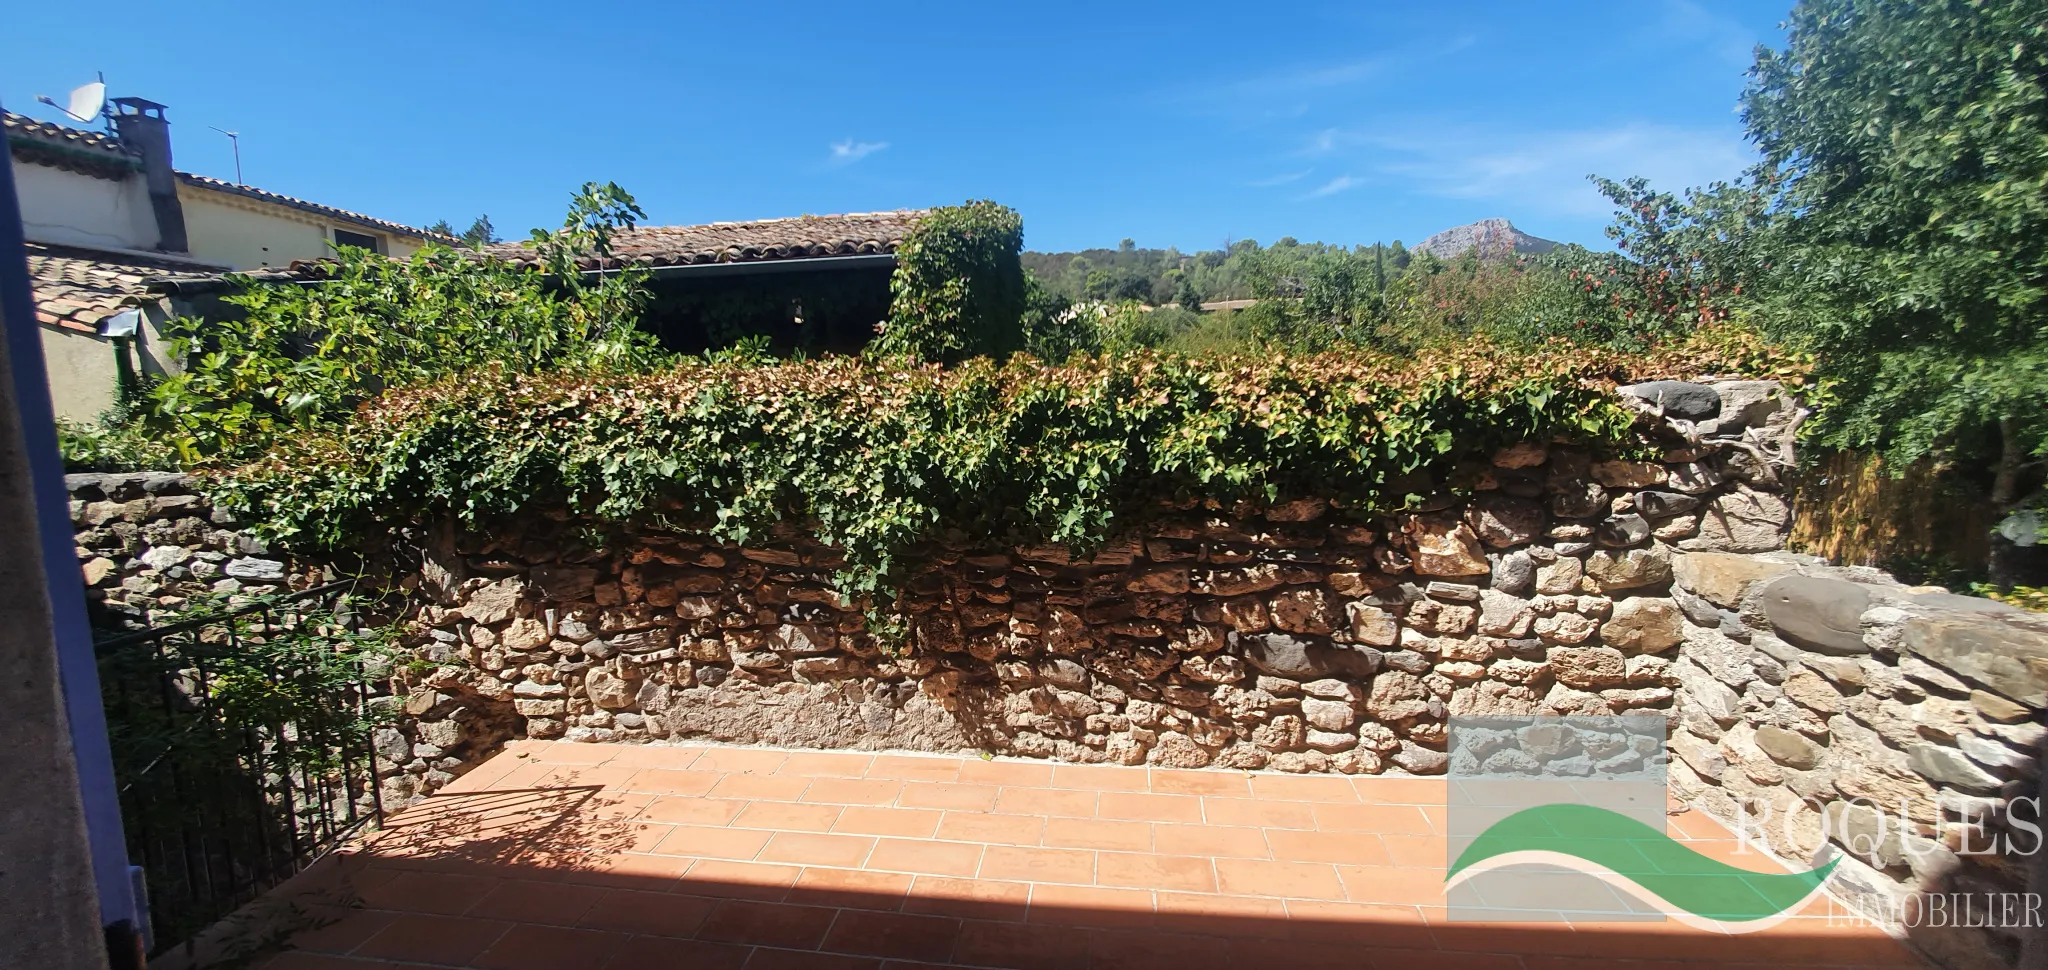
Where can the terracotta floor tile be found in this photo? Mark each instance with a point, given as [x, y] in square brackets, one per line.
[645, 952]
[1294, 880]
[577, 753]
[1144, 870]
[774, 788]
[349, 931]
[660, 914]
[918, 856]
[1111, 949]
[909, 823]
[758, 761]
[544, 902]
[433, 939]
[1178, 781]
[668, 781]
[901, 767]
[1038, 865]
[587, 776]
[1377, 819]
[1090, 833]
[1401, 791]
[788, 816]
[993, 829]
[1023, 774]
[693, 810]
[1146, 807]
[768, 958]
[432, 893]
[302, 960]
[895, 935]
[854, 791]
[767, 924]
[1420, 851]
[1099, 778]
[1214, 914]
[1348, 848]
[1046, 801]
[1258, 813]
[814, 849]
[826, 764]
[653, 756]
[948, 795]
[710, 842]
[1304, 788]
[724, 879]
[1393, 884]
[1358, 923]
[1090, 906]
[1383, 958]
[968, 898]
[1020, 946]
[851, 888]
[1213, 840]
[630, 870]
[549, 948]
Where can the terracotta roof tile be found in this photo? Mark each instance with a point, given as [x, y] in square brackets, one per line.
[801, 237]
[77, 288]
[250, 192]
[27, 128]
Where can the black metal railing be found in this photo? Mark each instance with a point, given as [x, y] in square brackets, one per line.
[242, 747]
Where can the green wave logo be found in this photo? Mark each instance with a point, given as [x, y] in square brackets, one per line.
[1634, 857]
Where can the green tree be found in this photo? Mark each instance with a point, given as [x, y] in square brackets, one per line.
[1907, 146]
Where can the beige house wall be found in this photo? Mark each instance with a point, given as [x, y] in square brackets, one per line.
[81, 366]
[68, 208]
[247, 234]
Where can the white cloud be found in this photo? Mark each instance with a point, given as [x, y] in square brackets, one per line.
[1342, 183]
[1545, 171]
[1281, 179]
[849, 151]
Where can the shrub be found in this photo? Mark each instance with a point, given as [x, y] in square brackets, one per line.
[959, 288]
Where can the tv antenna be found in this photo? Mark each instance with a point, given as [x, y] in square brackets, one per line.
[87, 101]
[235, 139]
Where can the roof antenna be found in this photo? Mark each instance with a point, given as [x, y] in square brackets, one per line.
[86, 100]
[235, 139]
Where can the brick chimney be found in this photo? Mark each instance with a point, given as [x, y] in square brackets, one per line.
[143, 129]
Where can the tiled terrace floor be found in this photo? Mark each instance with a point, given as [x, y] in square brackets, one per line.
[579, 855]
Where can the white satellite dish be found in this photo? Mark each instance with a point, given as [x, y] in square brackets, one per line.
[86, 101]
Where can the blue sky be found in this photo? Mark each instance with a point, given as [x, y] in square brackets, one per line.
[1188, 124]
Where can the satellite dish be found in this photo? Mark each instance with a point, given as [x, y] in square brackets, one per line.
[86, 101]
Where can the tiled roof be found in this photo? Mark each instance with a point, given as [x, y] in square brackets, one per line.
[93, 152]
[77, 288]
[802, 237]
[249, 192]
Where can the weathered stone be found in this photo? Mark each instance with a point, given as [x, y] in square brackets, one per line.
[1560, 577]
[1723, 578]
[608, 690]
[1501, 615]
[1328, 715]
[1643, 624]
[1170, 579]
[1631, 569]
[2007, 658]
[1525, 454]
[1787, 748]
[1446, 546]
[1305, 611]
[1744, 521]
[1452, 592]
[1588, 668]
[1815, 613]
[1812, 691]
[524, 634]
[1213, 668]
[1397, 695]
[493, 602]
[1419, 760]
[1577, 499]
[1678, 399]
[258, 570]
[1177, 750]
[1514, 573]
[1239, 581]
[1949, 766]
[562, 584]
[1628, 474]
[1566, 628]
[1621, 531]
[1745, 404]
[1659, 505]
[1996, 708]
[1505, 521]
[1372, 625]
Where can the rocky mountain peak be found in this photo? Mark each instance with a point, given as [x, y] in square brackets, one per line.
[1494, 238]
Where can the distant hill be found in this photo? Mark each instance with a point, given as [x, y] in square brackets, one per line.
[1494, 238]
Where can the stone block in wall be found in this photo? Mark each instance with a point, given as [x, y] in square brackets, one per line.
[2008, 655]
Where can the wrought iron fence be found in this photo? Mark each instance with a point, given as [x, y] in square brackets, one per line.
[242, 747]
